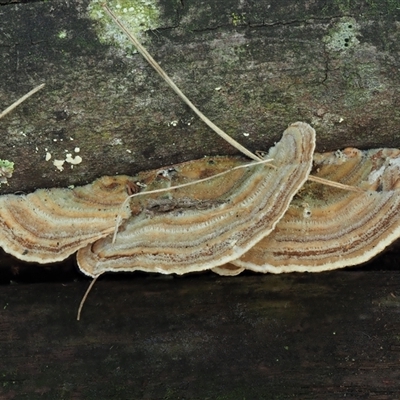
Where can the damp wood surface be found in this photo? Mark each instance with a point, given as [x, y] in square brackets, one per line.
[252, 67]
[329, 335]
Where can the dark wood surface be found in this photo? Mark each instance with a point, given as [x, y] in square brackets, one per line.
[324, 336]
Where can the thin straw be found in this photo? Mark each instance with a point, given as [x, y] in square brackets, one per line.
[23, 98]
[119, 218]
[78, 317]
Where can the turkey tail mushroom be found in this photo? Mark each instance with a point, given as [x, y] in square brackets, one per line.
[327, 228]
[50, 224]
[195, 238]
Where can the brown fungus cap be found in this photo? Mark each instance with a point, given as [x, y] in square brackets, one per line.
[50, 224]
[327, 228]
[238, 211]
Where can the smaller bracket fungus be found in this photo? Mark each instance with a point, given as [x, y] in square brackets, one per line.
[50, 224]
[327, 228]
[228, 270]
[227, 217]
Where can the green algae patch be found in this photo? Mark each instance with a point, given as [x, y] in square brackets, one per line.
[137, 15]
[6, 170]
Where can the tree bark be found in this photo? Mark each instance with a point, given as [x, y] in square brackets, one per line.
[251, 67]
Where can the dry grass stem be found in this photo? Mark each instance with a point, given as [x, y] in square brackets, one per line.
[334, 184]
[22, 99]
[78, 317]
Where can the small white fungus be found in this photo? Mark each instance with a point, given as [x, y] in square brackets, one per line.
[59, 164]
[73, 160]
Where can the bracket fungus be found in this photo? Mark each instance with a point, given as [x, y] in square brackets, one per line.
[245, 209]
[228, 270]
[327, 228]
[50, 224]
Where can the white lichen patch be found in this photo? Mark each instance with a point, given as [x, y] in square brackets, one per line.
[6, 171]
[343, 35]
[137, 15]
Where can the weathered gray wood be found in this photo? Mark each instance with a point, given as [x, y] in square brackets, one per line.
[329, 335]
[334, 64]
